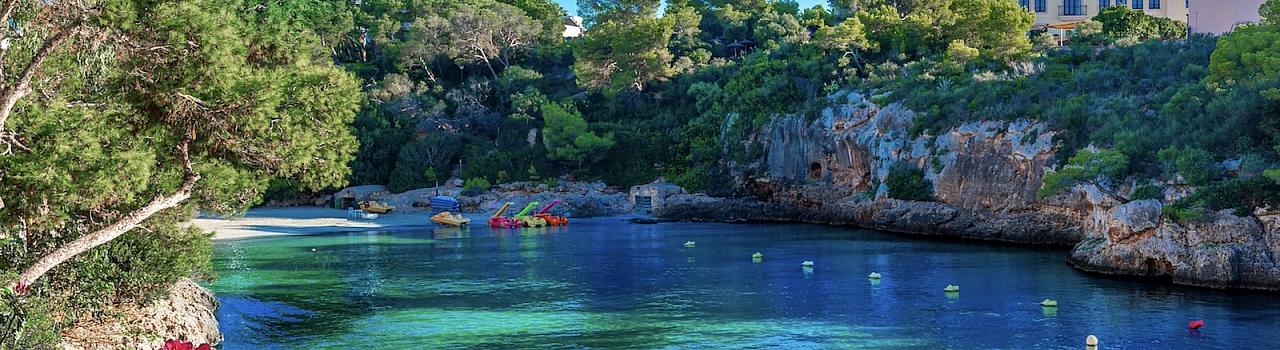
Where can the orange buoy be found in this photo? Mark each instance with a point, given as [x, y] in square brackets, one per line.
[1196, 324]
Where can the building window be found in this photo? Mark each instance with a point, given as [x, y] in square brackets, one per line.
[1155, 4]
[1137, 4]
[1026, 4]
[1122, 2]
[1103, 4]
[1072, 8]
[1040, 6]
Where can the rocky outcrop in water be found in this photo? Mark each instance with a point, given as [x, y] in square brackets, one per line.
[186, 313]
[1224, 251]
[984, 176]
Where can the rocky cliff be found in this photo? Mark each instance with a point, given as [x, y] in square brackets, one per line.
[984, 176]
[980, 166]
[832, 170]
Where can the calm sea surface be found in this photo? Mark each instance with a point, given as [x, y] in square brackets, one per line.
[604, 283]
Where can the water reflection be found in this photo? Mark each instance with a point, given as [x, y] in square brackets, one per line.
[604, 284]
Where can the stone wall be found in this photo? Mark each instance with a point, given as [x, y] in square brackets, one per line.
[657, 191]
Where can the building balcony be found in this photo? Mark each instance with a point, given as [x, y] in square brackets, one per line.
[1071, 11]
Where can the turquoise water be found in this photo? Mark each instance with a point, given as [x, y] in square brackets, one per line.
[604, 283]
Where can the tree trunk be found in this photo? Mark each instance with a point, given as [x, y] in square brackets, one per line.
[104, 235]
[427, 67]
[22, 86]
[485, 57]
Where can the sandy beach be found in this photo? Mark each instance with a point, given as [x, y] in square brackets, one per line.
[279, 221]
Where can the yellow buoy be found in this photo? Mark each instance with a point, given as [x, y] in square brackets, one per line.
[757, 256]
[1049, 303]
[874, 275]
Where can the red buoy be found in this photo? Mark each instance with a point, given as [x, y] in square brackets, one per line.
[1196, 324]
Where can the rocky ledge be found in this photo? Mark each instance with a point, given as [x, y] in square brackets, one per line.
[1222, 251]
[577, 199]
[187, 313]
[920, 218]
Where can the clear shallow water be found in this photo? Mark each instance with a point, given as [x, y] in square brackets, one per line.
[607, 284]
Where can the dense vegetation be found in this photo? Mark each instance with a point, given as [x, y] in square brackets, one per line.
[147, 111]
[489, 90]
[224, 101]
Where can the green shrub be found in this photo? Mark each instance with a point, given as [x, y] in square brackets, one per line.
[135, 268]
[1122, 22]
[475, 186]
[1085, 166]
[1239, 195]
[1147, 191]
[906, 182]
[431, 155]
[1183, 214]
[26, 323]
[1194, 164]
[281, 189]
[551, 181]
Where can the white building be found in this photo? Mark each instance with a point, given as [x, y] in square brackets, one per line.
[573, 27]
[1221, 16]
[1049, 12]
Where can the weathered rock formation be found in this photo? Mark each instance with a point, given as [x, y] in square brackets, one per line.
[984, 176]
[831, 170]
[187, 313]
[1224, 251]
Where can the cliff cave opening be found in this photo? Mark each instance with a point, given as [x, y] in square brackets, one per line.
[815, 171]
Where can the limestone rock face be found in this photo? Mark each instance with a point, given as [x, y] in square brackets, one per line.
[830, 170]
[985, 175]
[187, 313]
[1225, 251]
[980, 166]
